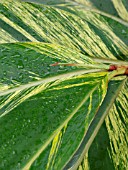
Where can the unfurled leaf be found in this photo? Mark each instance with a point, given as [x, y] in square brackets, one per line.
[57, 63]
[28, 68]
[92, 34]
[109, 149]
[40, 103]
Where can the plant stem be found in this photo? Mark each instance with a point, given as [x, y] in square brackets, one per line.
[119, 71]
[84, 65]
[117, 62]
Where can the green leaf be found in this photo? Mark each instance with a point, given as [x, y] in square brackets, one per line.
[54, 62]
[40, 103]
[117, 8]
[109, 149]
[114, 9]
[28, 65]
[92, 34]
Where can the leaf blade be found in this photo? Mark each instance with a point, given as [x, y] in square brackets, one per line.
[58, 125]
[82, 33]
[101, 156]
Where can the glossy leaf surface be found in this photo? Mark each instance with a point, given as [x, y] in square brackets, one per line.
[111, 150]
[40, 103]
[29, 66]
[50, 110]
[87, 31]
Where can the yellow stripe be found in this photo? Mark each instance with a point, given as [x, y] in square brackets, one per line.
[28, 165]
[120, 8]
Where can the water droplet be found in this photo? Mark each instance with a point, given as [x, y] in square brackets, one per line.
[13, 61]
[13, 136]
[123, 32]
[67, 109]
[18, 165]
[29, 120]
[4, 162]
[20, 64]
[5, 145]
[14, 152]
[4, 73]
[13, 143]
[26, 157]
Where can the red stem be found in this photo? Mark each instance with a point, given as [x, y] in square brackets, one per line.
[115, 67]
[111, 68]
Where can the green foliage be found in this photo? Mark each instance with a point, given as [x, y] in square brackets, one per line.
[54, 116]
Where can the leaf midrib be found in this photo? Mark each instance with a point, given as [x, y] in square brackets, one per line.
[49, 79]
[27, 166]
[89, 136]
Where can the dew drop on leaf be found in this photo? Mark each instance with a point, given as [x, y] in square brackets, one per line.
[14, 152]
[29, 120]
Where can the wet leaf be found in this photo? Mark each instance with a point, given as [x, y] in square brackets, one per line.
[89, 32]
[40, 103]
[109, 149]
[54, 62]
